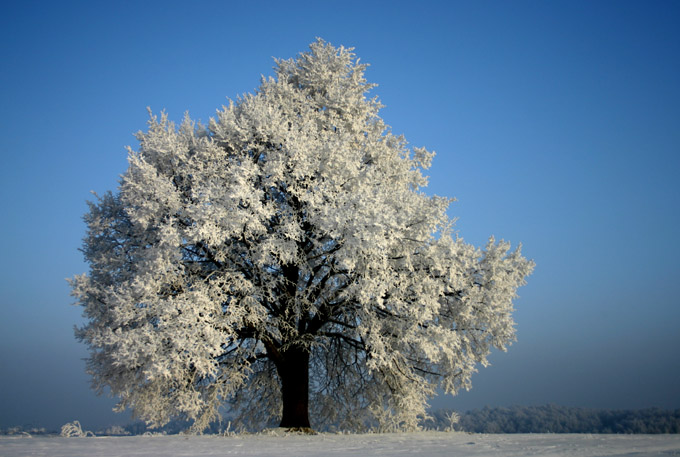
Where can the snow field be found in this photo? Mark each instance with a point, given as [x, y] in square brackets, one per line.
[433, 444]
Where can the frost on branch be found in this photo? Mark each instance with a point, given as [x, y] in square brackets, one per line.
[285, 259]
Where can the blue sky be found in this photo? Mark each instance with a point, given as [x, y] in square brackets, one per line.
[556, 124]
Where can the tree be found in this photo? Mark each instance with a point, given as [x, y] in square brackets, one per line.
[284, 259]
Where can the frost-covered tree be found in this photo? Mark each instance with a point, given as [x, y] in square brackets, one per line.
[285, 259]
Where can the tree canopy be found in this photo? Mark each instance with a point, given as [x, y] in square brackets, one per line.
[285, 258]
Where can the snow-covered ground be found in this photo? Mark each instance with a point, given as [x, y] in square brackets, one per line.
[327, 445]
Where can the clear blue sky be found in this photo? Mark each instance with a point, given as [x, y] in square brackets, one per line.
[556, 124]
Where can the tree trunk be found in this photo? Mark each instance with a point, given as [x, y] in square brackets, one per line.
[294, 373]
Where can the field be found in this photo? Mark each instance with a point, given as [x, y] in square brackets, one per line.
[329, 445]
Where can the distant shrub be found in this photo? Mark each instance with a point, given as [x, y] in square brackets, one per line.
[74, 430]
[115, 430]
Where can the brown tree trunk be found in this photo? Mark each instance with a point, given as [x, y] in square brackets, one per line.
[294, 374]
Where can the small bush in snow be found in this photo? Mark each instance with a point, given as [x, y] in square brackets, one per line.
[73, 429]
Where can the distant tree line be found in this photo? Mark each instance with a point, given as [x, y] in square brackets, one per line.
[515, 419]
[559, 419]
